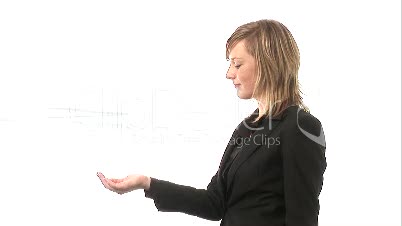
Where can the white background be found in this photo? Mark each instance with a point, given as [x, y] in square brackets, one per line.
[126, 87]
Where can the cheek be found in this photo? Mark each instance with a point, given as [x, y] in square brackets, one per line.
[246, 77]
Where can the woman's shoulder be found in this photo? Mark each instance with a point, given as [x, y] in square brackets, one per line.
[297, 118]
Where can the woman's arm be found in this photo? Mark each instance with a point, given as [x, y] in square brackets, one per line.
[170, 197]
[304, 164]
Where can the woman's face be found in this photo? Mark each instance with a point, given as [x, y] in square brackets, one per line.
[242, 70]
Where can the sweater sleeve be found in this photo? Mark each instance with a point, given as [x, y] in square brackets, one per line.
[304, 164]
[204, 203]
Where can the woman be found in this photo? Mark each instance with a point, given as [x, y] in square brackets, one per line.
[272, 170]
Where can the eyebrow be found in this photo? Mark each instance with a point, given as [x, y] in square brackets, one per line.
[236, 58]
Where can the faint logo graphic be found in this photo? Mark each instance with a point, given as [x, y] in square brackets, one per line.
[320, 139]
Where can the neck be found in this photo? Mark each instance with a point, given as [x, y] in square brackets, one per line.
[261, 108]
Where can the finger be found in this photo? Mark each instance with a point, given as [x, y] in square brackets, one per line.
[99, 174]
[113, 184]
[119, 188]
[105, 183]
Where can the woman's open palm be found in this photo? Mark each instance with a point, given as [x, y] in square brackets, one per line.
[124, 185]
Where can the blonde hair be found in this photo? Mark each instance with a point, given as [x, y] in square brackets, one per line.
[278, 60]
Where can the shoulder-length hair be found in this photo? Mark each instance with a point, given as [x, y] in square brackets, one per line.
[277, 62]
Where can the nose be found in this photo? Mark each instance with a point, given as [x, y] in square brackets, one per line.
[230, 74]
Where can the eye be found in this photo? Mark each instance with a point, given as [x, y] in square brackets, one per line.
[237, 66]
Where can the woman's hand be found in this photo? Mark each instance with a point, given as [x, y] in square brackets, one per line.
[124, 185]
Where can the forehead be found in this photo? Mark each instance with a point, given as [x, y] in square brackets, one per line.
[239, 51]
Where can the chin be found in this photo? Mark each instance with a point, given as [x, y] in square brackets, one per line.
[244, 97]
